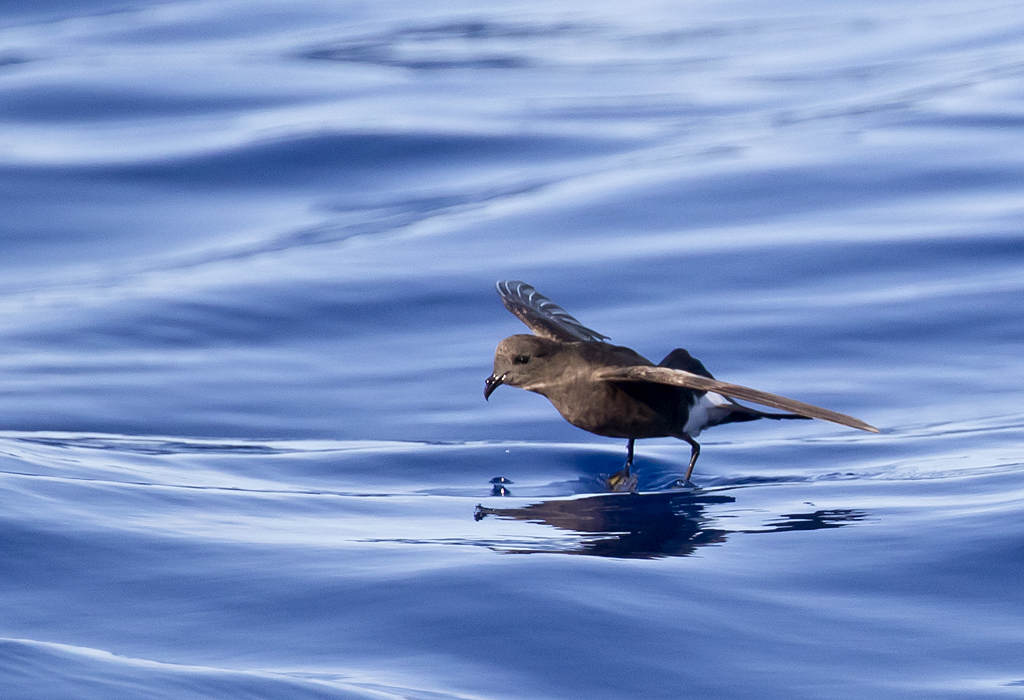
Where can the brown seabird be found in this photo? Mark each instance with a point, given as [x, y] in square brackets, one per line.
[613, 391]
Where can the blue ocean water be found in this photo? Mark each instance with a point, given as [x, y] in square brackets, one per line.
[247, 309]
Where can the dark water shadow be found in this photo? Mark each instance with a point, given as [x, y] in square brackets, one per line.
[472, 44]
[648, 525]
[152, 446]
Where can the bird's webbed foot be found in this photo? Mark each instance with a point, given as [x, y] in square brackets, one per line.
[621, 481]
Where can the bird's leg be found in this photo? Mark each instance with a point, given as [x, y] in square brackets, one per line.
[622, 480]
[694, 454]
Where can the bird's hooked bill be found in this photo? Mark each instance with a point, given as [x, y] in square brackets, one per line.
[492, 383]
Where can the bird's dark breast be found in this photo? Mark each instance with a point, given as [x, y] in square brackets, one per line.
[626, 409]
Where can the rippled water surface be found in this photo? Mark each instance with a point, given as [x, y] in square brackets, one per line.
[247, 308]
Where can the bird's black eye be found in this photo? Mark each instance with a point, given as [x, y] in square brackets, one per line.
[521, 359]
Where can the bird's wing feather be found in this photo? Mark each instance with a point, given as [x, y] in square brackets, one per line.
[543, 316]
[688, 380]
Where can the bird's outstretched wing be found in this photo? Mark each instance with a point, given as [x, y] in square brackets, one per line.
[543, 316]
[688, 380]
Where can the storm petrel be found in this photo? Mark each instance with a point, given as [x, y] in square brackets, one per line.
[613, 391]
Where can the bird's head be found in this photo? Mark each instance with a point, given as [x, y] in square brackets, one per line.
[522, 361]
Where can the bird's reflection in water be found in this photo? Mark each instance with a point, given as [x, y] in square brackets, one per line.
[647, 525]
